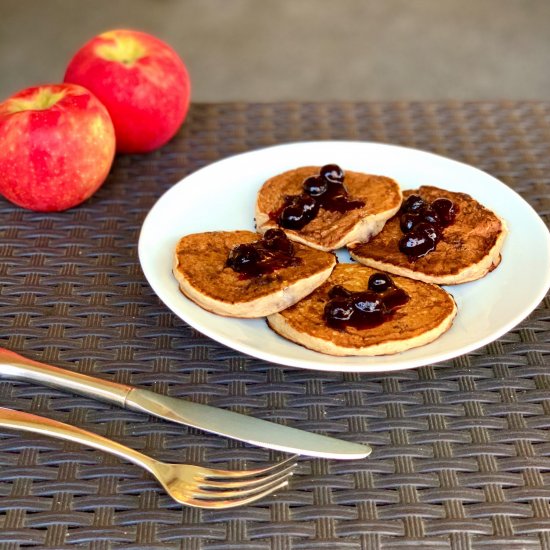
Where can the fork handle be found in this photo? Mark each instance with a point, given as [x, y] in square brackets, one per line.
[16, 366]
[18, 420]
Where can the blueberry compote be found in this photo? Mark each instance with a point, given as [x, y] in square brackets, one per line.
[422, 224]
[325, 190]
[364, 309]
[273, 251]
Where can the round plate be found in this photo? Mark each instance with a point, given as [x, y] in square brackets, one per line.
[222, 196]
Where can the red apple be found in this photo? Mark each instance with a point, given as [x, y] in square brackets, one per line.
[141, 80]
[57, 145]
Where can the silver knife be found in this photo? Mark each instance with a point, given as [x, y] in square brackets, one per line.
[210, 419]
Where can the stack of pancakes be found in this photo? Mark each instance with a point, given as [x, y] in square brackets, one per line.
[293, 298]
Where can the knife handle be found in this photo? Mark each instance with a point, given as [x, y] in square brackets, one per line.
[13, 365]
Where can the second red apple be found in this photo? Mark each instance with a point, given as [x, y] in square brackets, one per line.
[141, 80]
[57, 144]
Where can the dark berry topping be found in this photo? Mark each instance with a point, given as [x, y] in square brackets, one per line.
[243, 256]
[364, 309]
[276, 239]
[315, 186]
[274, 235]
[298, 211]
[332, 173]
[413, 203]
[274, 251]
[326, 190]
[336, 200]
[408, 220]
[339, 310]
[432, 232]
[368, 302]
[418, 242]
[422, 224]
[395, 297]
[446, 211]
[380, 282]
[429, 215]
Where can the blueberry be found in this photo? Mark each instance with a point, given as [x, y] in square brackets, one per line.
[298, 212]
[446, 210]
[408, 220]
[276, 239]
[432, 232]
[338, 310]
[421, 240]
[315, 186]
[380, 282]
[332, 173]
[429, 215]
[242, 255]
[413, 203]
[368, 302]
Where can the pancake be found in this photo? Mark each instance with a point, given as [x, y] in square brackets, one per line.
[428, 314]
[468, 250]
[203, 276]
[331, 230]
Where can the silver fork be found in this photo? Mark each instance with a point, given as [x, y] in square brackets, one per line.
[195, 486]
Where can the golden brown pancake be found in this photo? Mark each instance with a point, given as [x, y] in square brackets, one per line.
[200, 268]
[468, 250]
[428, 314]
[331, 230]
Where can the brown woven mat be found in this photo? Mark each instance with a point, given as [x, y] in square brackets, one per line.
[461, 449]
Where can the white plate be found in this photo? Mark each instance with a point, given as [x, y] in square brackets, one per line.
[222, 196]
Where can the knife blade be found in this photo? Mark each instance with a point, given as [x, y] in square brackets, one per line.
[205, 417]
[244, 428]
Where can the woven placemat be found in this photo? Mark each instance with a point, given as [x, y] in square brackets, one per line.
[461, 449]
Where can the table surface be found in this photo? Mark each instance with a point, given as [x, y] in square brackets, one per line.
[461, 454]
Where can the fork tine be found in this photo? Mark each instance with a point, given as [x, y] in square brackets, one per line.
[233, 503]
[215, 492]
[212, 474]
[242, 483]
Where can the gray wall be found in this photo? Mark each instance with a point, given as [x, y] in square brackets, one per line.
[260, 50]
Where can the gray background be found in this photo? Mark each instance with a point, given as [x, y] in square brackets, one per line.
[265, 50]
